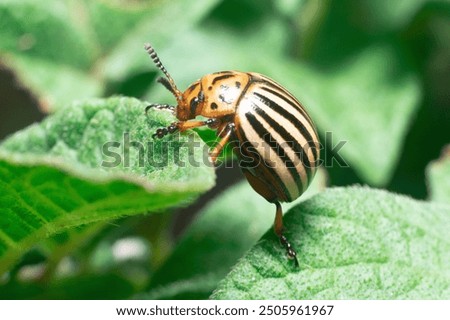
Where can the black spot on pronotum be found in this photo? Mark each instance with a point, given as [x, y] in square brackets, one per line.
[214, 106]
[222, 77]
[221, 97]
[223, 72]
[238, 84]
[210, 88]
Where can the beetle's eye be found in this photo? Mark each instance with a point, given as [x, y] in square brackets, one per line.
[193, 106]
[194, 103]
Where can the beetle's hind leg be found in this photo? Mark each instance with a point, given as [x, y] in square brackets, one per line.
[278, 227]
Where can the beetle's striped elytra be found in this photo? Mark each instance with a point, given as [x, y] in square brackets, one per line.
[265, 123]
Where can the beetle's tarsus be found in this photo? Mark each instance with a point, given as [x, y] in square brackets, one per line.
[290, 252]
[278, 228]
[162, 132]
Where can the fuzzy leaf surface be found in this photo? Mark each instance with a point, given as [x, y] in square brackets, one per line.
[352, 243]
[58, 174]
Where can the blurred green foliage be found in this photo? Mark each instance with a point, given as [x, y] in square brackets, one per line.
[373, 73]
[438, 173]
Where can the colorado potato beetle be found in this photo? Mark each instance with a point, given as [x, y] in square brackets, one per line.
[267, 126]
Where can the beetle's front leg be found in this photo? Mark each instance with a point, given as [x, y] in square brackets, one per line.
[160, 107]
[185, 125]
[161, 132]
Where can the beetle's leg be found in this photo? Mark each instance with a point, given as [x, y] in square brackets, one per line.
[215, 152]
[185, 125]
[161, 132]
[160, 107]
[278, 227]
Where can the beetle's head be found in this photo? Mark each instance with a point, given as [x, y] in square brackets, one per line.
[193, 100]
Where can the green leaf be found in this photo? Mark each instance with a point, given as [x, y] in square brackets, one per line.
[129, 59]
[63, 244]
[113, 20]
[49, 48]
[85, 287]
[221, 234]
[56, 174]
[352, 243]
[61, 50]
[53, 84]
[386, 15]
[438, 177]
[289, 8]
[51, 30]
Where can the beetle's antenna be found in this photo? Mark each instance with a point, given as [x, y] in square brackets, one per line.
[169, 84]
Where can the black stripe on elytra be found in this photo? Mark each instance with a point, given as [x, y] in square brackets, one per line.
[291, 118]
[286, 94]
[272, 83]
[222, 77]
[288, 138]
[281, 188]
[277, 87]
[290, 101]
[275, 146]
